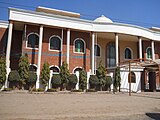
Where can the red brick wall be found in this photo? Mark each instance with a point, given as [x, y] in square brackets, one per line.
[53, 57]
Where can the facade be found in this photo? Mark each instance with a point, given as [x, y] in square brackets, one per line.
[56, 36]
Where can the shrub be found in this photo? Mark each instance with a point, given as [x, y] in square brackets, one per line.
[72, 80]
[80, 90]
[7, 89]
[83, 79]
[2, 71]
[45, 74]
[38, 90]
[93, 81]
[117, 80]
[14, 78]
[108, 82]
[91, 90]
[32, 79]
[56, 80]
[51, 90]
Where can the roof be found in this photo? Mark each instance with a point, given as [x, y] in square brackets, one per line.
[103, 19]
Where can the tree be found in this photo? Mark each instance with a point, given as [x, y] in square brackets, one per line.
[117, 80]
[45, 74]
[56, 80]
[2, 71]
[64, 74]
[101, 74]
[83, 79]
[108, 82]
[14, 78]
[72, 80]
[23, 68]
[93, 81]
[32, 79]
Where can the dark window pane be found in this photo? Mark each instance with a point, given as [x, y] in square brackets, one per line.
[111, 55]
[79, 46]
[33, 41]
[133, 77]
[97, 50]
[55, 43]
[149, 53]
[128, 53]
[54, 69]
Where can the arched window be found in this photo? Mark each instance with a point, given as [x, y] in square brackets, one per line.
[55, 70]
[111, 55]
[79, 46]
[33, 40]
[133, 77]
[55, 43]
[33, 68]
[96, 50]
[128, 53]
[149, 52]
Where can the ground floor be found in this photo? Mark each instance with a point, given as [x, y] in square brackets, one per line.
[90, 106]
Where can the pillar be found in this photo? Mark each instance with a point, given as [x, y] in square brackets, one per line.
[140, 48]
[39, 57]
[117, 55]
[88, 76]
[68, 45]
[77, 85]
[92, 56]
[153, 51]
[8, 51]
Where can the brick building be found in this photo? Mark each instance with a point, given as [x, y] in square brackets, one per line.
[56, 36]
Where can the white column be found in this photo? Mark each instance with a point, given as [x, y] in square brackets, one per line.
[68, 45]
[153, 52]
[8, 51]
[39, 56]
[92, 56]
[77, 85]
[117, 56]
[140, 47]
[88, 76]
[50, 79]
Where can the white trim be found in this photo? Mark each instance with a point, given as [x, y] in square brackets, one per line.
[27, 40]
[33, 65]
[125, 53]
[84, 46]
[60, 43]
[76, 68]
[80, 24]
[4, 24]
[100, 50]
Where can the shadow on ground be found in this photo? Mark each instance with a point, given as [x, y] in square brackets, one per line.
[154, 116]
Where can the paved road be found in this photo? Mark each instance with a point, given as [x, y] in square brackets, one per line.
[60, 106]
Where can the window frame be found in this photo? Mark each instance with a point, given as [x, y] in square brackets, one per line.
[131, 77]
[60, 43]
[147, 53]
[55, 67]
[84, 46]
[27, 40]
[125, 53]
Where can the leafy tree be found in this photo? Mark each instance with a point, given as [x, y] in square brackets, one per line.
[72, 80]
[14, 78]
[56, 80]
[64, 74]
[45, 74]
[23, 68]
[101, 74]
[93, 81]
[2, 71]
[108, 82]
[32, 79]
[117, 80]
[83, 79]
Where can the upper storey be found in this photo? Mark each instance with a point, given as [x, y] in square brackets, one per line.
[64, 19]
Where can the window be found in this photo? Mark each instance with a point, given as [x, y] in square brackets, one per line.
[32, 68]
[97, 50]
[111, 55]
[149, 52]
[128, 53]
[77, 69]
[79, 46]
[55, 70]
[33, 40]
[133, 77]
[55, 43]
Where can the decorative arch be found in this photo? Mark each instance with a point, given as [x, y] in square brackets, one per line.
[55, 43]
[32, 40]
[77, 69]
[128, 53]
[133, 77]
[79, 45]
[54, 69]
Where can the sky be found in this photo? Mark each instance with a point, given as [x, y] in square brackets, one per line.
[145, 13]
